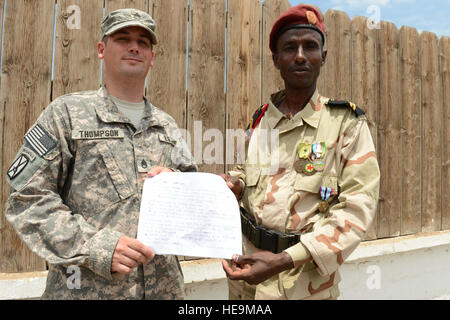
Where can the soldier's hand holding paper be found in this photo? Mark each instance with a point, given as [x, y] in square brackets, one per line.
[190, 214]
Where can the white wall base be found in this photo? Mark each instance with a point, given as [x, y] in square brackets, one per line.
[410, 267]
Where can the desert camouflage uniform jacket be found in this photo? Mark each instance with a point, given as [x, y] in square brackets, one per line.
[287, 200]
[76, 188]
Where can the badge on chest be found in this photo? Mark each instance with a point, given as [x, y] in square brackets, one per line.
[310, 158]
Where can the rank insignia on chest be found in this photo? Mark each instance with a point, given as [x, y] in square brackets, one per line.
[143, 164]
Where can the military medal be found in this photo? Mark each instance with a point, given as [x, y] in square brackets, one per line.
[323, 206]
[304, 150]
[317, 150]
[308, 169]
[318, 165]
[299, 165]
[325, 194]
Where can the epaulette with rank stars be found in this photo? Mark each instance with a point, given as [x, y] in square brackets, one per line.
[342, 103]
[256, 118]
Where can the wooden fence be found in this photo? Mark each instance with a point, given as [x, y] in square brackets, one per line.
[213, 65]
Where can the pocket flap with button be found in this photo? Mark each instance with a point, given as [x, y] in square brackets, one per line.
[166, 139]
[313, 183]
[252, 176]
[118, 178]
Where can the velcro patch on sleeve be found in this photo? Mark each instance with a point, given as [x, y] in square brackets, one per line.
[39, 140]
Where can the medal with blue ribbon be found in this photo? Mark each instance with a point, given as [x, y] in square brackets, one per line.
[325, 194]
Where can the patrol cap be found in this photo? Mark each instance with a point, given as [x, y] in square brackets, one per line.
[301, 16]
[128, 17]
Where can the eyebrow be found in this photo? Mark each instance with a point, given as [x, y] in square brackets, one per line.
[142, 35]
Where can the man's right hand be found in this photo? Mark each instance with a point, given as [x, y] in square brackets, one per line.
[233, 183]
[128, 254]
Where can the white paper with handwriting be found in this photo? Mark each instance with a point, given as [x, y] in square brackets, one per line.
[190, 214]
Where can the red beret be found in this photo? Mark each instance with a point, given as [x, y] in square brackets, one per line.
[301, 16]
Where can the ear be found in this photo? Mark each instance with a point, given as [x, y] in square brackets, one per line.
[275, 60]
[324, 57]
[152, 59]
[100, 50]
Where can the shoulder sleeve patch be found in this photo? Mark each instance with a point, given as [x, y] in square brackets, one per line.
[342, 103]
[23, 168]
[39, 140]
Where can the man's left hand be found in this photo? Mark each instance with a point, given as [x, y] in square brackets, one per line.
[257, 267]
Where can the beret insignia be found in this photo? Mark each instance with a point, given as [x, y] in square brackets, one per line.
[311, 16]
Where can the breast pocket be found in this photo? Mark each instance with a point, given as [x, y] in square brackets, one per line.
[161, 154]
[308, 183]
[118, 177]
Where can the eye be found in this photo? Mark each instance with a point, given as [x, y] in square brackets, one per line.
[289, 48]
[311, 45]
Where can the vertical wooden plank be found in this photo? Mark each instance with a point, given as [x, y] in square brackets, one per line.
[76, 66]
[432, 111]
[444, 66]
[271, 79]
[25, 92]
[243, 70]
[410, 131]
[167, 78]
[336, 79]
[206, 97]
[389, 143]
[111, 5]
[2, 116]
[2, 4]
[365, 82]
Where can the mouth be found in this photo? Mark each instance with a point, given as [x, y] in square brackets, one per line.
[133, 59]
[299, 70]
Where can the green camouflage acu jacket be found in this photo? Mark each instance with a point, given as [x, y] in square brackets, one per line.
[76, 188]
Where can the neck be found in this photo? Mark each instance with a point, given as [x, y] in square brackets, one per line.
[296, 99]
[131, 91]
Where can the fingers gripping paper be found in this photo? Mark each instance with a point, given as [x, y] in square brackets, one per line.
[190, 214]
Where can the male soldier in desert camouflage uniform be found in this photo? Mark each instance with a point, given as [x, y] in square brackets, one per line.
[76, 182]
[308, 203]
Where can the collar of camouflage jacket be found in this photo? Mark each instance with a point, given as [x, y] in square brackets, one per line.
[310, 113]
[108, 112]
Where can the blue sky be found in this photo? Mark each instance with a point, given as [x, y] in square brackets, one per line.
[431, 15]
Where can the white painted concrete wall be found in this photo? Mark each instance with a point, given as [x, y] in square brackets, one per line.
[411, 267]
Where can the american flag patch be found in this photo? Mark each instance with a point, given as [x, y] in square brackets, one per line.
[40, 140]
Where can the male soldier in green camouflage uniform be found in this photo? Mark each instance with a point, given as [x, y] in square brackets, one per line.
[76, 182]
[308, 208]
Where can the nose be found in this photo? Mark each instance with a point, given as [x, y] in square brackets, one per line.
[299, 56]
[134, 48]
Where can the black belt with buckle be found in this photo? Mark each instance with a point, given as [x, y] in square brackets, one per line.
[265, 239]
